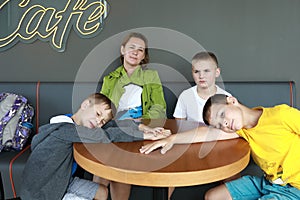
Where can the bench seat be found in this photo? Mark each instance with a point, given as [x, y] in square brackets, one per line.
[53, 98]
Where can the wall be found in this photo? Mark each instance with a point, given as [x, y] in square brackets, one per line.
[253, 39]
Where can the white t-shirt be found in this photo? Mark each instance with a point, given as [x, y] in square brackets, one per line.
[131, 97]
[190, 105]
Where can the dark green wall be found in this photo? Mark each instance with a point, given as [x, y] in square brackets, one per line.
[253, 39]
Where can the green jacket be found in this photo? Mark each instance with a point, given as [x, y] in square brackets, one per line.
[153, 101]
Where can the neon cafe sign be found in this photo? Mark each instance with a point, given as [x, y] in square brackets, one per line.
[49, 21]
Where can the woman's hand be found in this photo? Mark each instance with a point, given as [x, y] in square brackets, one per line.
[156, 133]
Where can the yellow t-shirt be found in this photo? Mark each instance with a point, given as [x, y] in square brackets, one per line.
[275, 144]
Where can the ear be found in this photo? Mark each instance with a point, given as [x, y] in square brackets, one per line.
[85, 104]
[232, 100]
[122, 50]
[218, 72]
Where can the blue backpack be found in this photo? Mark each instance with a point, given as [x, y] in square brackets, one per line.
[15, 121]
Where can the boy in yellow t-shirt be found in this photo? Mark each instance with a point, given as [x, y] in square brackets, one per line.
[273, 135]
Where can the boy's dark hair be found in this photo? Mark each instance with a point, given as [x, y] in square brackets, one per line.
[215, 99]
[142, 37]
[205, 55]
[98, 98]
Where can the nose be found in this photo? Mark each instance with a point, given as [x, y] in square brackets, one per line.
[200, 74]
[135, 51]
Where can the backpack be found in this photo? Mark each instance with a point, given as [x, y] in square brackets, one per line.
[15, 121]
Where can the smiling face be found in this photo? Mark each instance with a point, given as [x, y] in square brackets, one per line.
[94, 115]
[226, 117]
[133, 51]
[205, 73]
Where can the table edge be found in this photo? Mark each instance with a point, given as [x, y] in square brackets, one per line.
[168, 179]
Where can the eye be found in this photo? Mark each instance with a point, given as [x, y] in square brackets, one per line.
[222, 115]
[99, 114]
[131, 46]
[207, 70]
[196, 71]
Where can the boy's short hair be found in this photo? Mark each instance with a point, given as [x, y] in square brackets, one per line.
[205, 55]
[215, 99]
[98, 98]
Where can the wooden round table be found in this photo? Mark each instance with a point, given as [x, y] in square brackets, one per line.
[183, 165]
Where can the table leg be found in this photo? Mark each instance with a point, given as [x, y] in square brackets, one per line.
[160, 193]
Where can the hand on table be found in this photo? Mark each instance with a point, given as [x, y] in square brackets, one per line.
[156, 133]
[166, 145]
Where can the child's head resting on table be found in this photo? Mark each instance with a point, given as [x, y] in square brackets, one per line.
[95, 111]
[224, 112]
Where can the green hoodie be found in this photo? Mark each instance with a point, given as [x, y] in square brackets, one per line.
[153, 102]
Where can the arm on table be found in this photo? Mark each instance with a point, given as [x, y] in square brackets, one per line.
[200, 134]
[154, 133]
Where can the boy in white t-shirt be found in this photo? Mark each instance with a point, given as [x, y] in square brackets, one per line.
[190, 103]
[205, 70]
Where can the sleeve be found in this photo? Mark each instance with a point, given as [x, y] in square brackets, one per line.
[76, 133]
[180, 109]
[105, 89]
[69, 133]
[112, 86]
[157, 108]
[121, 123]
[123, 131]
[291, 118]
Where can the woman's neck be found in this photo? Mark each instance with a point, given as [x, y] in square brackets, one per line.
[130, 69]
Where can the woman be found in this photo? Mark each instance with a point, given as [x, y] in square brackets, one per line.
[133, 88]
[136, 91]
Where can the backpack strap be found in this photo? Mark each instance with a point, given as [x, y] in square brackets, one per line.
[19, 101]
[2, 97]
[23, 131]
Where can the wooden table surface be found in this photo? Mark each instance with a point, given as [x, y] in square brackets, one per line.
[183, 165]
